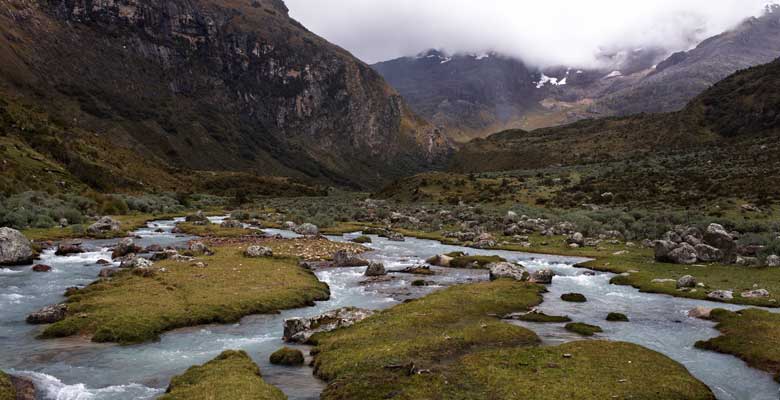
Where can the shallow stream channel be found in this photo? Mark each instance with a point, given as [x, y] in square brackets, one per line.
[76, 369]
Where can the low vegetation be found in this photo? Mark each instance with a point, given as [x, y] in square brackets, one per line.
[583, 329]
[474, 261]
[232, 375]
[541, 317]
[446, 346]
[130, 308]
[287, 356]
[574, 297]
[751, 335]
[7, 390]
[617, 317]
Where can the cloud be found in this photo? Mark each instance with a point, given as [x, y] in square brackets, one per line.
[552, 32]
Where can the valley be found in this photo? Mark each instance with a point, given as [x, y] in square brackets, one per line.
[204, 199]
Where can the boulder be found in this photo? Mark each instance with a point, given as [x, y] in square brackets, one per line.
[721, 295]
[15, 248]
[485, 241]
[68, 248]
[507, 270]
[700, 312]
[48, 314]
[104, 225]
[773, 261]
[108, 272]
[231, 224]
[682, 254]
[662, 249]
[686, 281]
[747, 261]
[307, 229]
[543, 276]
[299, 330]
[706, 253]
[164, 255]
[716, 236]
[289, 225]
[197, 218]
[287, 356]
[153, 248]
[135, 262]
[200, 248]
[125, 247]
[375, 269]
[395, 237]
[343, 258]
[440, 260]
[577, 238]
[258, 251]
[755, 293]
[41, 268]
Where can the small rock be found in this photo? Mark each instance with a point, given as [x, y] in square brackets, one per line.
[773, 261]
[108, 272]
[700, 312]
[124, 247]
[299, 330]
[755, 293]
[375, 269]
[200, 248]
[68, 248]
[507, 270]
[48, 314]
[721, 295]
[104, 225]
[41, 268]
[440, 260]
[307, 229]
[136, 262]
[543, 276]
[258, 251]
[686, 281]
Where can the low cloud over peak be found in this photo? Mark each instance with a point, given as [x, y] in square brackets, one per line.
[563, 32]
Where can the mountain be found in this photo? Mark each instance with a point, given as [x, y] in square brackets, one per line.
[744, 105]
[217, 85]
[475, 95]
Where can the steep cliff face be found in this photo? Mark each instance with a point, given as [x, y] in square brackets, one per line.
[213, 85]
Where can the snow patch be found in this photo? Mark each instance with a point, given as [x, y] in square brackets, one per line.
[549, 80]
[613, 74]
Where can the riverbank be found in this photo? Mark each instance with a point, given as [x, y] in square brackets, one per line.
[222, 288]
[230, 376]
[447, 345]
[751, 335]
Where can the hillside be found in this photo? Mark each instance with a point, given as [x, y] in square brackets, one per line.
[722, 145]
[217, 85]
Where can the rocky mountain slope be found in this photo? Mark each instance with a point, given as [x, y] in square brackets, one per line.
[476, 95]
[221, 85]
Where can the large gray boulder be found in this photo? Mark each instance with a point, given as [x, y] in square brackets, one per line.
[683, 254]
[717, 236]
[15, 249]
[104, 225]
[48, 314]
[706, 253]
[686, 281]
[343, 258]
[662, 249]
[299, 330]
[307, 229]
[375, 269]
[507, 270]
[258, 251]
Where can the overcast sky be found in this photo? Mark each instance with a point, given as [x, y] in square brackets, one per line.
[546, 32]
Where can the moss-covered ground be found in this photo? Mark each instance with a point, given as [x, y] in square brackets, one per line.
[751, 335]
[541, 317]
[583, 329]
[7, 391]
[130, 308]
[231, 376]
[447, 345]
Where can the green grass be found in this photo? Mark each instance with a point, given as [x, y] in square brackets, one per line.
[365, 361]
[231, 376]
[751, 335]
[287, 356]
[128, 223]
[132, 309]
[468, 261]
[446, 346]
[583, 329]
[542, 318]
[7, 390]
[361, 239]
[596, 370]
[643, 270]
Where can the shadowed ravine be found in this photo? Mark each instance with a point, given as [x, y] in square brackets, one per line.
[77, 369]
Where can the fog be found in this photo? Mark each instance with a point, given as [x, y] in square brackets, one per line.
[557, 32]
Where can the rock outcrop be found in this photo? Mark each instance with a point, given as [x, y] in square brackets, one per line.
[15, 249]
[48, 314]
[299, 330]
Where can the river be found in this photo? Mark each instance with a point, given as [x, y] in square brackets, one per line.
[75, 369]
